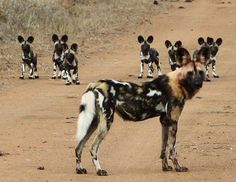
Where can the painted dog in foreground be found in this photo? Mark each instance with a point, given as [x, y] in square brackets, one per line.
[173, 61]
[28, 57]
[214, 47]
[164, 96]
[148, 56]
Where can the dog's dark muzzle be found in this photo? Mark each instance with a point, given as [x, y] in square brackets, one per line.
[197, 82]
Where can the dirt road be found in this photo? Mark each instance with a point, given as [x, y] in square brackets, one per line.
[38, 117]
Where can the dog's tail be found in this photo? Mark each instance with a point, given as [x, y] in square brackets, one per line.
[87, 114]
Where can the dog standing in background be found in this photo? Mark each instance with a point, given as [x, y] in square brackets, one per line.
[71, 63]
[214, 47]
[58, 56]
[28, 57]
[173, 61]
[164, 96]
[148, 56]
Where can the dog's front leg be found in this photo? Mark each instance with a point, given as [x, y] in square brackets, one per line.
[165, 130]
[22, 71]
[172, 152]
[141, 70]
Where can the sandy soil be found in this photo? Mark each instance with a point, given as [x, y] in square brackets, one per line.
[38, 117]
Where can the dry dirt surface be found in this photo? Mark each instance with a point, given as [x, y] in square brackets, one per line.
[38, 117]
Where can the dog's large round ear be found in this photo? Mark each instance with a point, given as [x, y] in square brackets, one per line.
[74, 47]
[203, 55]
[201, 41]
[30, 39]
[55, 37]
[168, 44]
[183, 56]
[219, 41]
[20, 38]
[210, 40]
[64, 38]
[140, 39]
[178, 44]
[150, 39]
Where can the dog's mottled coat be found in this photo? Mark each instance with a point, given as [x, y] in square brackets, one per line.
[164, 96]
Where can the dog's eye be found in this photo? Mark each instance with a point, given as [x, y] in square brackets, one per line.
[201, 72]
[190, 73]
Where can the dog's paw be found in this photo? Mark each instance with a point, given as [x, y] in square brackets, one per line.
[102, 172]
[31, 77]
[207, 79]
[81, 171]
[22, 77]
[37, 77]
[168, 168]
[181, 169]
[140, 76]
[68, 83]
[149, 76]
[216, 76]
[53, 77]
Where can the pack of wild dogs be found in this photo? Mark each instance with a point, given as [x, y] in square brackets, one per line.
[163, 96]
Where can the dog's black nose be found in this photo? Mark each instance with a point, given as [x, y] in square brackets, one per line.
[198, 83]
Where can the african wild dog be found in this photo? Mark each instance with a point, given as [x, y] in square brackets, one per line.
[164, 96]
[174, 63]
[71, 63]
[214, 47]
[58, 55]
[28, 57]
[148, 56]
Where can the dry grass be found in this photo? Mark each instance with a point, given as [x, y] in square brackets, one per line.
[82, 20]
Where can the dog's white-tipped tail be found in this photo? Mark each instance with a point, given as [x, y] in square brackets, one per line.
[86, 116]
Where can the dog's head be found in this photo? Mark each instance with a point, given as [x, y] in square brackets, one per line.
[213, 45]
[172, 49]
[70, 53]
[145, 44]
[25, 44]
[60, 44]
[192, 73]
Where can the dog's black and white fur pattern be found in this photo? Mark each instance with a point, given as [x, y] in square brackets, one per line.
[148, 56]
[174, 64]
[71, 63]
[28, 57]
[214, 47]
[164, 96]
[58, 56]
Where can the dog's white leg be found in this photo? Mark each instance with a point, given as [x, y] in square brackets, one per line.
[31, 76]
[54, 74]
[207, 73]
[150, 70]
[68, 77]
[86, 125]
[22, 71]
[214, 70]
[141, 70]
[75, 77]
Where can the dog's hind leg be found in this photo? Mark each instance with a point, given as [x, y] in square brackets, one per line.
[87, 124]
[102, 130]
